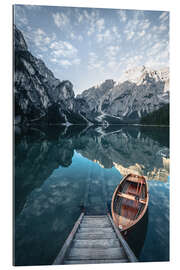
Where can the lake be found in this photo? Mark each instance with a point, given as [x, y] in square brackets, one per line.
[59, 169]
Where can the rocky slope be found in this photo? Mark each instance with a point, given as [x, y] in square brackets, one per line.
[143, 91]
[39, 96]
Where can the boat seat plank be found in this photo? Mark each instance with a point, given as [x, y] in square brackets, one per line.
[135, 180]
[130, 197]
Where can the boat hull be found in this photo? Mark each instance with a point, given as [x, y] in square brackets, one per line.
[129, 201]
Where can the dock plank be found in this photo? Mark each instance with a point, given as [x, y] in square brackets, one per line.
[97, 235]
[94, 243]
[94, 230]
[94, 261]
[96, 253]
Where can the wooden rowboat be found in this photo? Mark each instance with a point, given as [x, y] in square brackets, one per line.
[129, 201]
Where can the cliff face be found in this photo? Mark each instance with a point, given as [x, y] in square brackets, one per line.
[39, 96]
[142, 92]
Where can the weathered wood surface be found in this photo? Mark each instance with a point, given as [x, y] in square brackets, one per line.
[100, 243]
[94, 241]
[130, 197]
[94, 230]
[94, 261]
[96, 253]
[97, 235]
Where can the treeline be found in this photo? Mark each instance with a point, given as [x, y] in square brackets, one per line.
[159, 117]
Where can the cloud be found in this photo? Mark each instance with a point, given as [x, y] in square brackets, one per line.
[129, 34]
[54, 60]
[80, 18]
[76, 61]
[64, 54]
[122, 14]
[60, 19]
[158, 29]
[163, 27]
[94, 62]
[113, 64]
[65, 63]
[142, 33]
[20, 16]
[116, 32]
[96, 25]
[80, 38]
[42, 40]
[74, 36]
[100, 24]
[91, 30]
[112, 51]
[164, 16]
[93, 21]
[137, 25]
[146, 24]
[106, 36]
[63, 49]
[133, 61]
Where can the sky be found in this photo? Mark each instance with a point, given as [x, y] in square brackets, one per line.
[90, 45]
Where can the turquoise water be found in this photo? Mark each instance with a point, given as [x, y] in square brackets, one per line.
[59, 170]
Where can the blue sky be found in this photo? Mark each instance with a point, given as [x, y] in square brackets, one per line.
[88, 45]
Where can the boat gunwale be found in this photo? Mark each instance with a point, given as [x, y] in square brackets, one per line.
[115, 194]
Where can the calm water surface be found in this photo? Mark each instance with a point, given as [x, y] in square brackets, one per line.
[57, 170]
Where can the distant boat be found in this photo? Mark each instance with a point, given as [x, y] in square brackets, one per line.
[129, 201]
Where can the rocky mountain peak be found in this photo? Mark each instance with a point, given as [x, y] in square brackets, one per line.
[143, 75]
[142, 91]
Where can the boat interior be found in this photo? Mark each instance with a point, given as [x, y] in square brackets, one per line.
[130, 200]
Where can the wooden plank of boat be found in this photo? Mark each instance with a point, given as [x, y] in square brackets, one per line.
[129, 201]
[130, 197]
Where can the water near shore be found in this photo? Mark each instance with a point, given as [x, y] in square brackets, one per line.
[57, 170]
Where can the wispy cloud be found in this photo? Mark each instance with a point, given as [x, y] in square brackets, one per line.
[164, 16]
[142, 33]
[20, 16]
[100, 24]
[112, 51]
[129, 34]
[63, 49]
[94, 62]
[65, 63]
[60, 19]
[122, 14]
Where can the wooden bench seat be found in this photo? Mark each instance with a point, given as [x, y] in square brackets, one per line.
[130, 197]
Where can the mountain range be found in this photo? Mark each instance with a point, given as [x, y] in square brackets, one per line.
[41, 98]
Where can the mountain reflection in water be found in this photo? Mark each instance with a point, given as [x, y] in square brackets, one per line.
[54, 167]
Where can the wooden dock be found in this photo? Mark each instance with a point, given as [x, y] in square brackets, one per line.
[95, 239]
